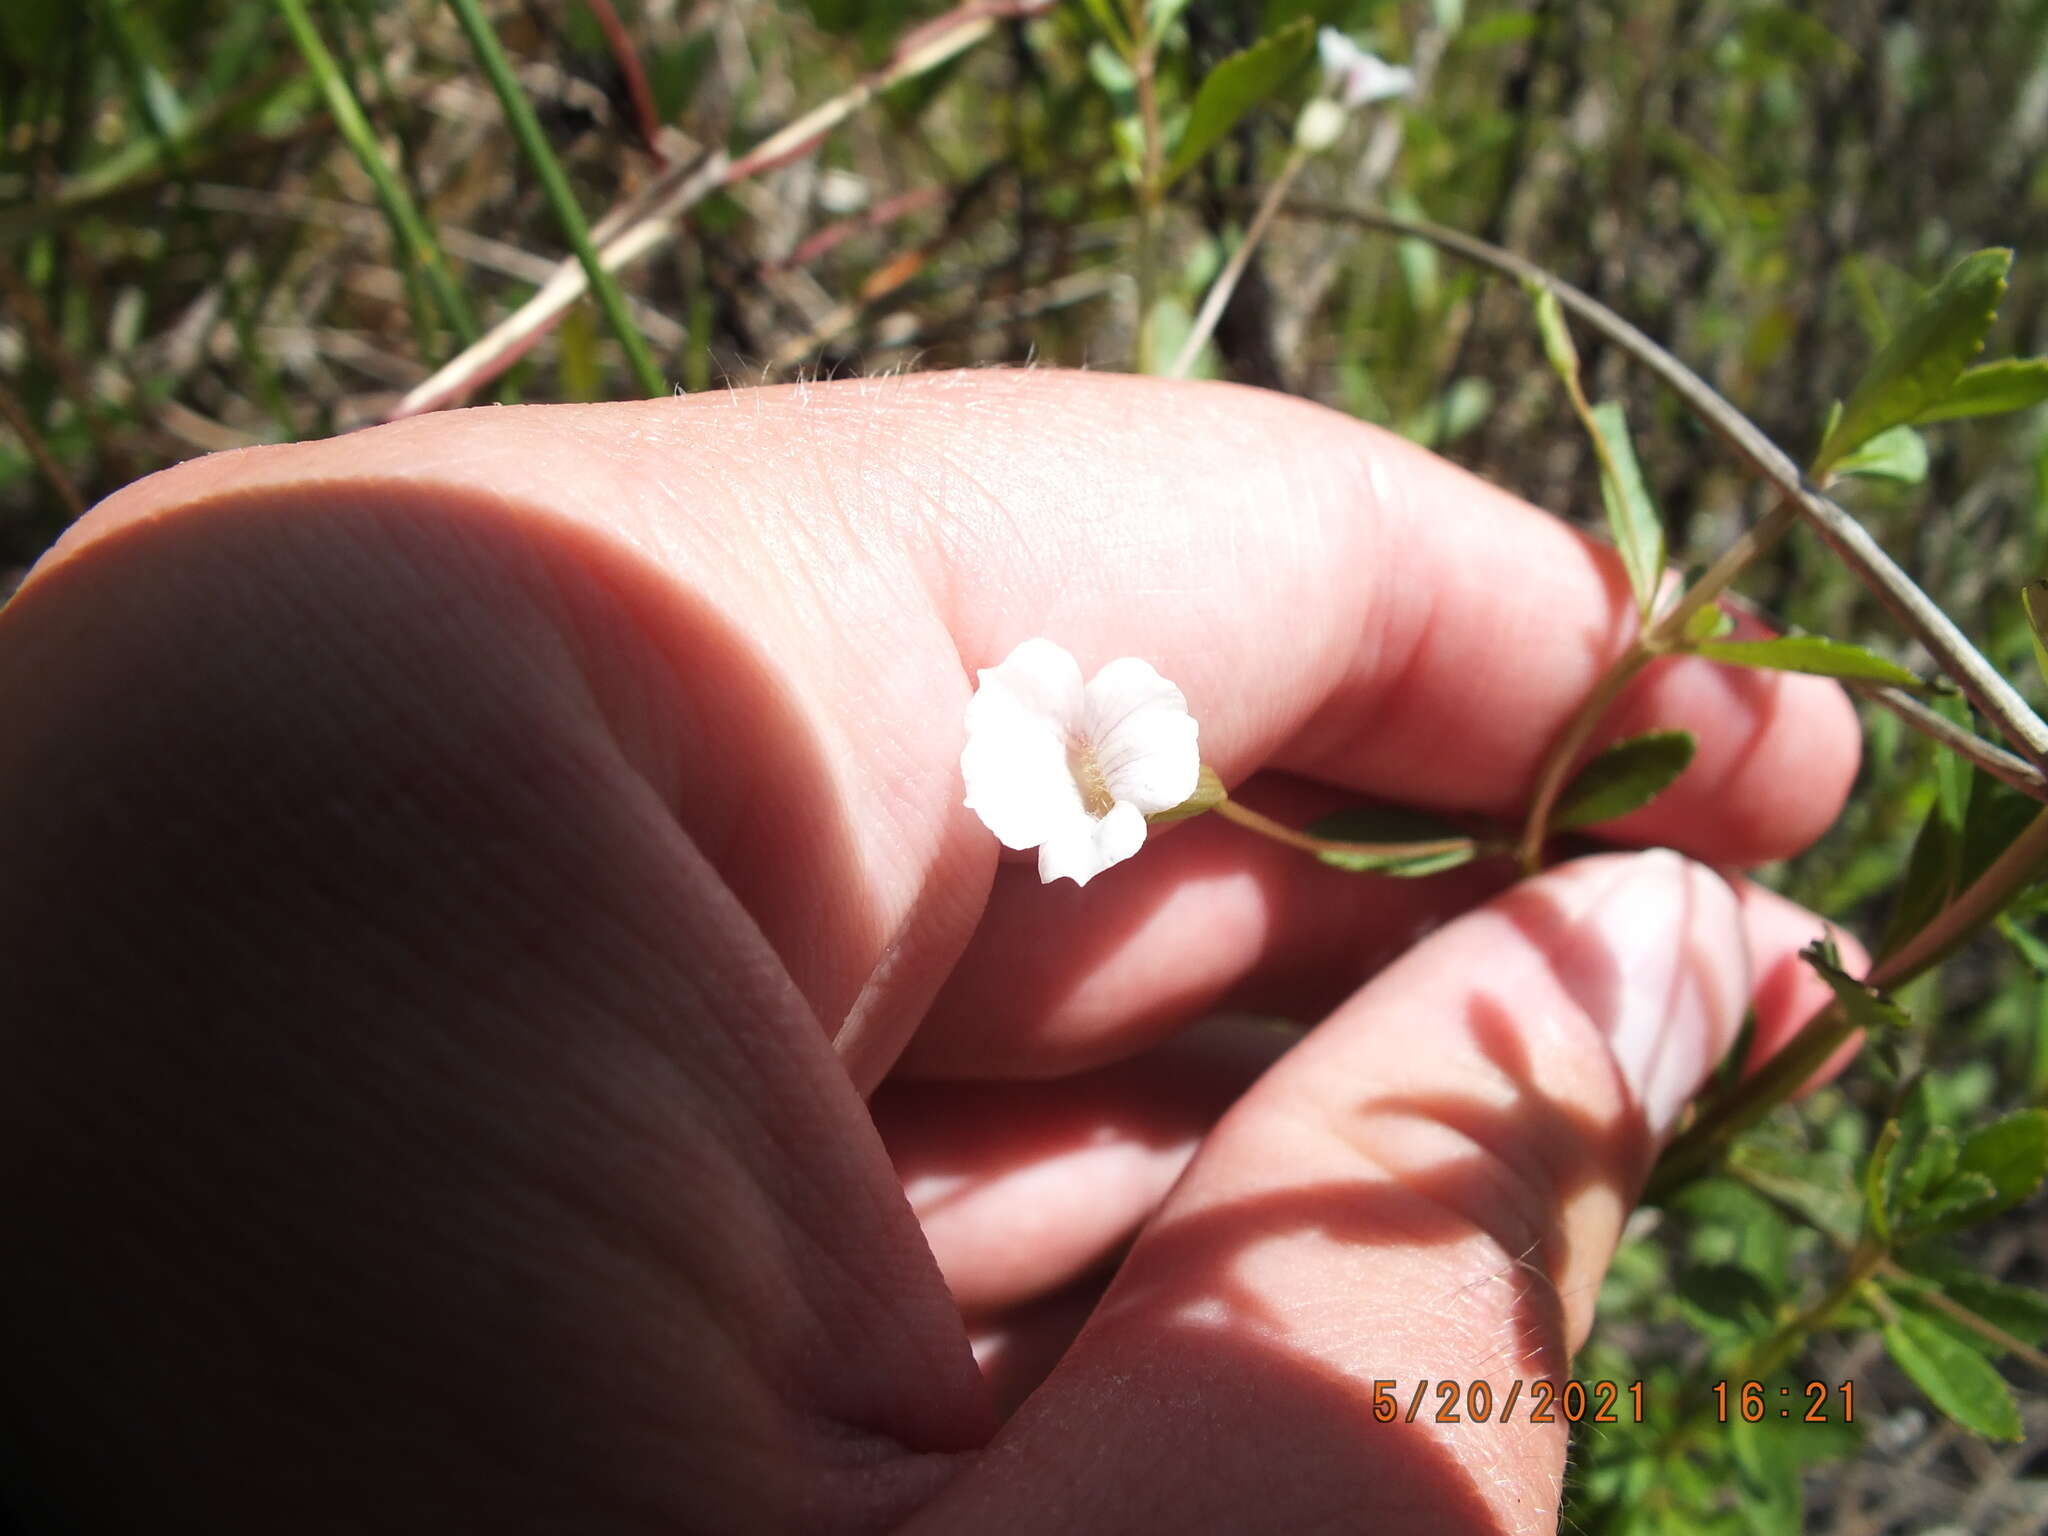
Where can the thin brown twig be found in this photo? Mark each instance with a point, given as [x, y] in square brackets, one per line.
[650, 217]
[627, 57]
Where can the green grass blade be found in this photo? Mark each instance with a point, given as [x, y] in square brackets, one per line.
[561, 197]
[414, 235]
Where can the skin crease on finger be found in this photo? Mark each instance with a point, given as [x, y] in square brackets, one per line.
[876, 540]
[842, 560]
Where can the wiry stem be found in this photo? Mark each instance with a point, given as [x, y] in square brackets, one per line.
[1233, 270]
[1981, 683]
[1280, 832]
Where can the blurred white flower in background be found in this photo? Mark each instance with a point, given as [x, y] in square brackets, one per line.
[1070, 769]
[1358, 78]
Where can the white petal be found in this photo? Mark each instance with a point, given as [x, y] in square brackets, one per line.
[1019, 724]
[1357, 76]
[1336, 51]
[1144, 737]
[1083, 848]
[1373, 79]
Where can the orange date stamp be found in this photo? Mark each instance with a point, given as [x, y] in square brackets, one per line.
[1523, 1402]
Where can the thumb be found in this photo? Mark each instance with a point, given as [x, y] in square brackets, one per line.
[1414, 1207]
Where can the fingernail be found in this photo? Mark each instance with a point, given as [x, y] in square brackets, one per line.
[1667, 934]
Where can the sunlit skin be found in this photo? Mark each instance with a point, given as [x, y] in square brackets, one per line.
[493, 929]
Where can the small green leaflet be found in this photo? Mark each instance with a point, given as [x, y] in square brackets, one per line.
[1991, 389]
[1956, 1378]
[1868, 1008]
[1237, 85]
[1924, 359]
[1557, 336]
[1393, 824]
[1631, 516]
[1709, 623]
[2010, 1155]
[1898, 454]
[1810, 653]
[1625, 777]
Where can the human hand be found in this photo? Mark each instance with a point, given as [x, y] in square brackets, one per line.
[460, 881]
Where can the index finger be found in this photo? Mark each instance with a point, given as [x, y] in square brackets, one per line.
[1331, 599]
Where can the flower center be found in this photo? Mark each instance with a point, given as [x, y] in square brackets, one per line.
[1096, 799]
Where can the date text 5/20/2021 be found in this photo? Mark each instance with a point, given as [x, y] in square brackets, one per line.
[1601, 1402]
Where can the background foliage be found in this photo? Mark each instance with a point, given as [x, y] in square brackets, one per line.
[224, 223]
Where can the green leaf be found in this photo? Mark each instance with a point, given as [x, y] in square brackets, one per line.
[1709, 623]
[1811, 653]
[1877, 1183]
[2012, 1156]
[1209, 793]
[1868, 1008]
[1631, 516]
[1897, 454]
[1925, 357]
[1956, 1379]
[2012, 384]
[2034, 599]
[1625, 777]
[1933, 1265]
[1237, 85]
[1550, 325]
[1392, 824]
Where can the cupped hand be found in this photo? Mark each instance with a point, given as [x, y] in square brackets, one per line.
[461, 883]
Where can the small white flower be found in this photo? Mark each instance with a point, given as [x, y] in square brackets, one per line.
[1357, 77]
[1073, 771]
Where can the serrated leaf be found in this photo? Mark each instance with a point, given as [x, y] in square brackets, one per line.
[1631, 516]
[1956, 1379]
[1925, 357]
[1392, 824]
[1209, 792]
[1625, 777]
[1992, 389]
[1811, 653]
[1898, 453]
[2034, 599]
[1237, 85]
[2012, 1155]
[1962, 1200]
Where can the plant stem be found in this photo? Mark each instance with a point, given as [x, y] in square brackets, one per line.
[1981, 683]
[560, 195]
[1994, 760]
[1279, 832]
[1785, 1073]
[1570, 743]
[1771, 1356]
[414, 234]
[1983, 1327]
[1227, 280]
